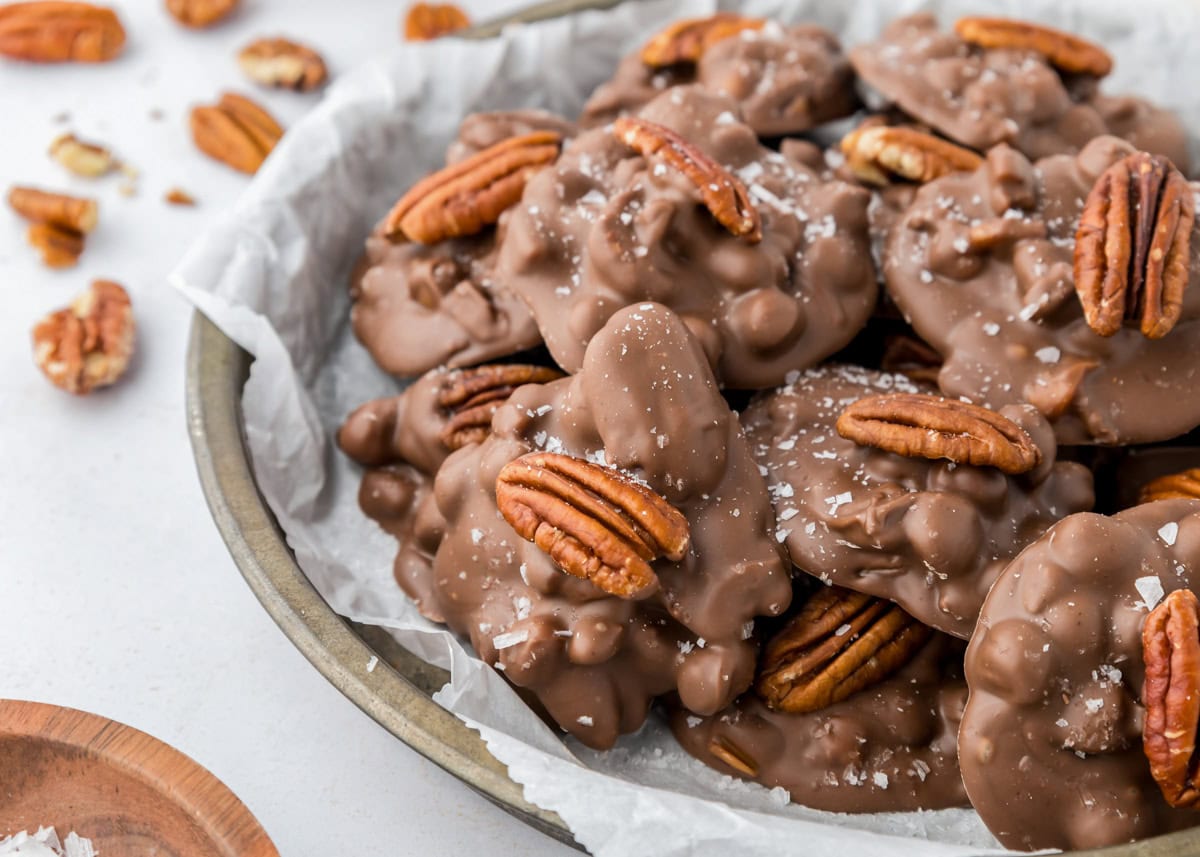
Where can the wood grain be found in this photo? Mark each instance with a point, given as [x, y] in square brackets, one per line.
[129, 793]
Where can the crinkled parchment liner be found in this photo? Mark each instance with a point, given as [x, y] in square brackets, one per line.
[272, 275]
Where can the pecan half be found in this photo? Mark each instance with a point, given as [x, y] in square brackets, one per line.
[426, 21]
[733, 756]
[283, 64]
[1132, 247]
[1171, 696]
[722, 192]
[464, 198]
[1064, 51]
[878, 153]
[686, 41]
[89, 343]
[838, 644]
[201, 13]
[75, 213]
[60, 32]
[471, 396]
[923, 426]
[82, 158]
[1184, 485]
[593, 522]
[235, 131]
[60, 247]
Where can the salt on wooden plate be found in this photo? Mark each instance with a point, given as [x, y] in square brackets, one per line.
[45, 843]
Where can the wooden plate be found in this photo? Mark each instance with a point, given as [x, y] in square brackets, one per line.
[129, 793]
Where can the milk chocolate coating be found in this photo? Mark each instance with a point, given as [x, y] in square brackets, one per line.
[607, 227]
[1008, 320]
[645, 402]
[888, 748]
[1050, 744]
[980, 97]
[420, 306]
[930, 535]
[786, 80]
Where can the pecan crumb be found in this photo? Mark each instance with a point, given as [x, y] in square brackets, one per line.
[89, 160]
[179, 196]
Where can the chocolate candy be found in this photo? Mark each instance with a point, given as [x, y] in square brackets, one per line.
[645, 407]
[888, 748]
[608, 227]
[984, 96]
[982, 266]
[931, 535]
[1051, 738]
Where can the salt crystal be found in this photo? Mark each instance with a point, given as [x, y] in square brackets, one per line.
[1151, 590]
[45, 843]
[779, 796]
[693, 721]
[510, 639]
[991, 328]
[1093, 705]
[921, 769]
[371, 664]
[1049, 354]
[880, 779]
[583, 720]
[842, 631]
[1061, 723]
[1168, 533]
[476, 535]
[747, 630]
[789, 513]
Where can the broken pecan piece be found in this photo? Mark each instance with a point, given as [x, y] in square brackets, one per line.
[201, 13]
[722, 192]
[89, 343]
[50, 31]
[1064, 51]
[838, 644]
[426, 21]
[464, 198]
[1171, 695]
[878, 153]
[594, 522]
[235, 131]
[471, 396]
[923, 426]
[1132, 247]
[88, 160]
[60, 247]
[1184, 485]
[686, 41]
[282, 63]
[75, 213]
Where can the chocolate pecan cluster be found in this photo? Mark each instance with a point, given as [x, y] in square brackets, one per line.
[807, 445]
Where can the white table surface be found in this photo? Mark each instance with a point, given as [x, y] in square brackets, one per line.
[117, 595]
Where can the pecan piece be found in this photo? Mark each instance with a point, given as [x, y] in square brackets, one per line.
[283, 64]
[733, 756]
[464, 198]
[878, 153]
[686, 41]
[911, 356]
[1064, 51]
[594, 522]
[201, 13]
[75, 213]
[88, 160]
[1171, 696]
[917, 425]
[471, 396]
[722, 192]
[838, 644]
[426, 21]
[1132, 247]
[1184, 485]
[60, 248]
[179, 196]
[235, 131]
[50, 31]
[89, 343]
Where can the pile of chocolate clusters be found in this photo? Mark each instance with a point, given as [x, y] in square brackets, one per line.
[809, 444]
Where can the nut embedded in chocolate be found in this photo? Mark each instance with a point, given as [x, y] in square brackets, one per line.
[732, 756]
[471, 396]
[464, 198]
[686, 41]
[1171, 694]
[1132, 249]
[877, 153]
[1064, 51]
[920, 425]
[723, 193]
[1184, 485]
[592, 521]
[838, 644]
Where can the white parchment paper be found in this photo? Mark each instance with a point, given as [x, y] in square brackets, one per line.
[273, 276]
